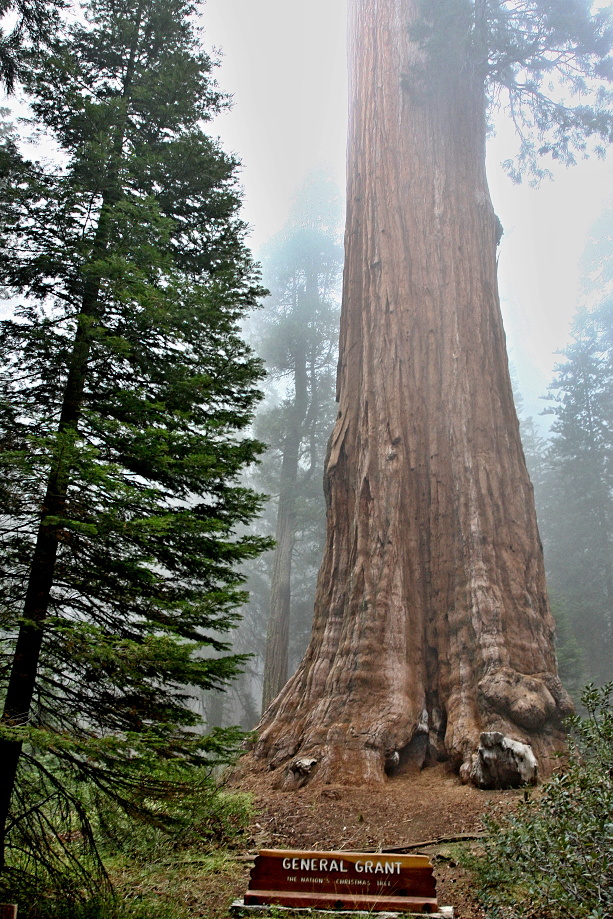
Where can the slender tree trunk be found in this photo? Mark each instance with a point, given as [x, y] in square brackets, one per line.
[24, 670]
[602, 633]
[277, 637]
[431, 617]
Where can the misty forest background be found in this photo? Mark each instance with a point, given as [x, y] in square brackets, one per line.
[569, 453]
[162, 524]
[569, 450]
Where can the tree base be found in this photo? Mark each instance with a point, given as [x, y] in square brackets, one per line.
[513, 738]
[498, 762]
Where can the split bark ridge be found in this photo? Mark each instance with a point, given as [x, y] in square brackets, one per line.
[431, 624]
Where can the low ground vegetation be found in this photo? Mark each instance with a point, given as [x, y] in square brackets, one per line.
[551, 857]
[178, 867]
[544, 854]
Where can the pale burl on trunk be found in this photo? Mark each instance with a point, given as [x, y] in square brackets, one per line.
[432, 624]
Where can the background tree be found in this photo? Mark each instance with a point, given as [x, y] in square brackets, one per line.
[24, 23]
[432, 622]
[297, 334]
[570, 471]
[125, 393]
[571, 658]
[577, 506]
[298, 342]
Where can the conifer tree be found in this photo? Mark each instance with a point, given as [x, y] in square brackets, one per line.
[577, 505]
[296, 333]
[125, 394]
[432, 626]
[571, 660]
[298, 340]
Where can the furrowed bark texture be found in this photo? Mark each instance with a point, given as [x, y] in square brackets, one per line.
[431, 621]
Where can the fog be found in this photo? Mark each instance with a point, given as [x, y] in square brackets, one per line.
[285, 64]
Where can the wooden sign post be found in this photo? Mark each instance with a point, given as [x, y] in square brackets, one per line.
[8, 911]
[343, 881]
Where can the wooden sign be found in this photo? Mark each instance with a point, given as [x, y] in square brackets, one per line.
[8, 911]
[343, 880]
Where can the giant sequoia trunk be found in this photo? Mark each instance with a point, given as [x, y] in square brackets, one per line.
[431, 620]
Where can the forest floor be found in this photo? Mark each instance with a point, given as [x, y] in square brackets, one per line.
[416, 808]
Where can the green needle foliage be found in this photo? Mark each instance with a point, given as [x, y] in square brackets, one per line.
[125, 392]
[552, 858]
[548, 63]
[29, 22]
[576, 509]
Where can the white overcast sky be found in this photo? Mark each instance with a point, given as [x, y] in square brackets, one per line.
[285, 63]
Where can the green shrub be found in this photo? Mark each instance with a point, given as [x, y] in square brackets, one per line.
[551, 859]
[208, 820]
[67, 856]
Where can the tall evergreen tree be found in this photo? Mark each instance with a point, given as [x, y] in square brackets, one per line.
[571, 659]
[125, 393]
[577, 506]
[432, 624]
[296, 333]
[298, 340]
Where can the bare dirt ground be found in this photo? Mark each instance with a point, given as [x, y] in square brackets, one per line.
[415, 808]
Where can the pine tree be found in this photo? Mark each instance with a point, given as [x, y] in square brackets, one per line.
[571, 659]
[297, 339]
[577, 514]
[32, 22]
[125, 394]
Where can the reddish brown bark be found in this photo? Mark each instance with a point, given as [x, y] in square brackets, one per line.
[431, 619]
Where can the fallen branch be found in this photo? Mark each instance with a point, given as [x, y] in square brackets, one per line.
[407, 847]
[460, 837]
